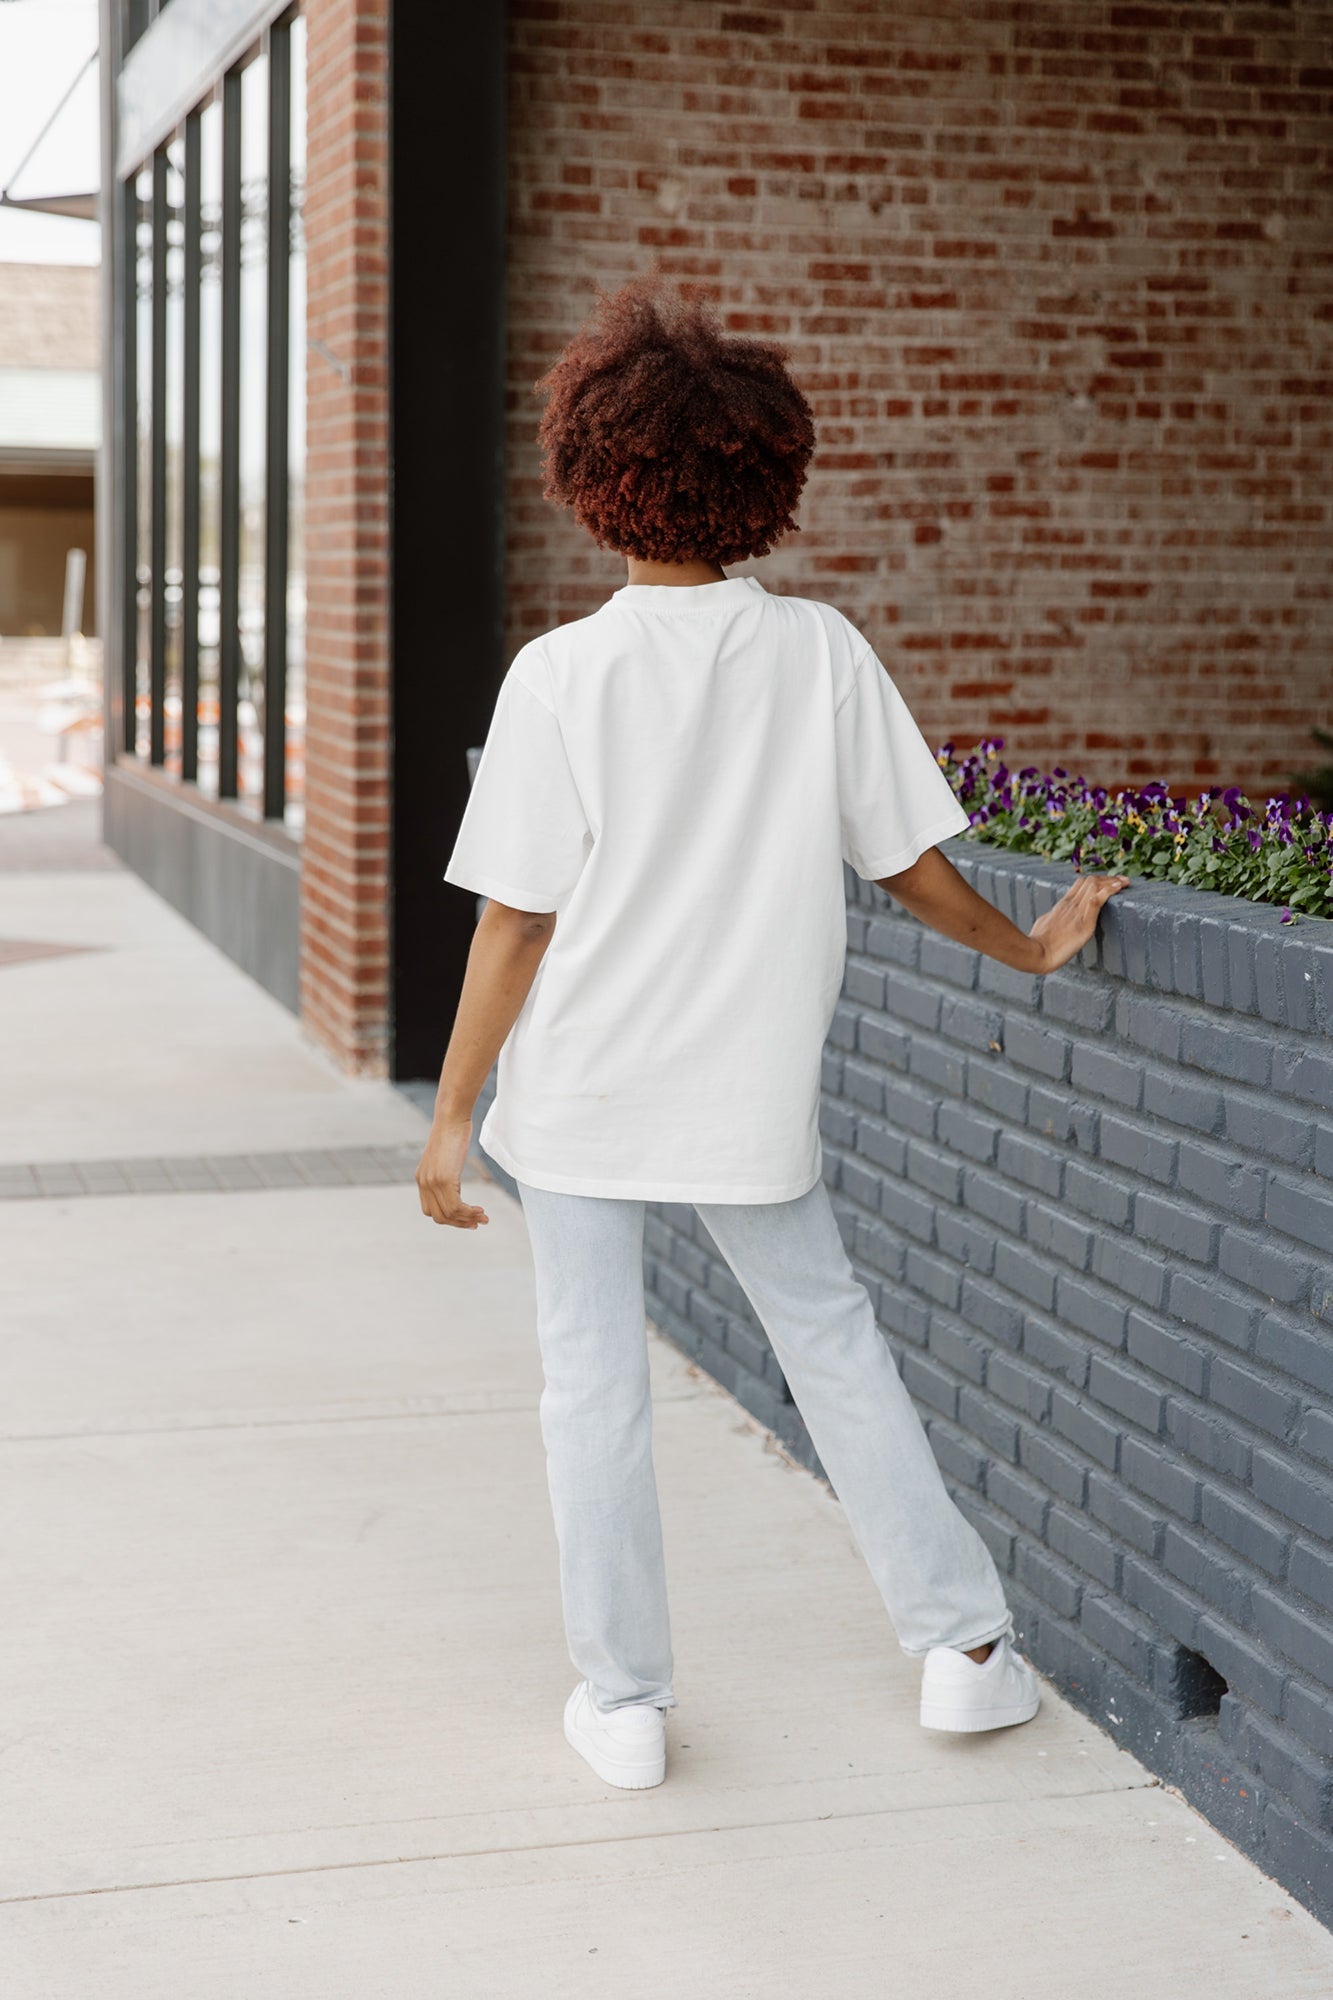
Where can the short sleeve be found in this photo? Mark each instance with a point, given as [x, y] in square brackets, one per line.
[894, 800]
[524, 836]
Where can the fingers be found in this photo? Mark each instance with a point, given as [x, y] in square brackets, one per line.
[1071, 923]
[442, 1203]
[1096, 889]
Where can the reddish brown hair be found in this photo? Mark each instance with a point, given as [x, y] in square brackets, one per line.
[668, 439]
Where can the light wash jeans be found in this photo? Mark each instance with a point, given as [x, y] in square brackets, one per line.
[933, 1570]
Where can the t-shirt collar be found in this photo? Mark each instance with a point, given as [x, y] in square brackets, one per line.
[686, 597]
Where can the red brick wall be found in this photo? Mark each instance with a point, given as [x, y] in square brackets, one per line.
[344, 878]
[1058, 277]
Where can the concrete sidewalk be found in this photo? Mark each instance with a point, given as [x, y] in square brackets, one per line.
[282, 1668]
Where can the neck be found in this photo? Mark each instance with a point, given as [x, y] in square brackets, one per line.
[692, 572]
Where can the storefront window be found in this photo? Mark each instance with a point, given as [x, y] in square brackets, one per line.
[294, 804]
[216, 355]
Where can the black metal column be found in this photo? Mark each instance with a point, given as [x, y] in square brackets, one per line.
[126, 465]
[447, 485]
[157, 617]
[277, 380]
[192, 269]
[229, 467]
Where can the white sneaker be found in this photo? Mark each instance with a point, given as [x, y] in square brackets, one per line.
[962, 1694]
[625, 1746]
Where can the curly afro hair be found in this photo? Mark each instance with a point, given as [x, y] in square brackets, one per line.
[669, 440]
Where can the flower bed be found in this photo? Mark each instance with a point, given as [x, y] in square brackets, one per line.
[1217, 840]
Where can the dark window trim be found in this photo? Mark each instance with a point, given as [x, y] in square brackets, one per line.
[157, 534]
[137, 18]
[129, 470]
[229, 469]
[190, 455]
[446, 535]
[277, 362]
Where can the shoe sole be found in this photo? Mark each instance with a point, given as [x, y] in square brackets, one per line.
[627, 1777]
[964, 1722]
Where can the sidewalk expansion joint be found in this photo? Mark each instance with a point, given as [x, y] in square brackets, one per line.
[442, 1409]
[616, 1839]
[213, 1173]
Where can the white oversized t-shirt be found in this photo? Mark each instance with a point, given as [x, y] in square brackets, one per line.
[680, 777]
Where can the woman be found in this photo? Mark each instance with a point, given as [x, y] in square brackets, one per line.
[659, 820]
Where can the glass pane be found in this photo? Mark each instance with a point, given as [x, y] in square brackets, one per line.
[254, 336]
[143, 569]
[210, 437]
[173, 417]
[295, 787]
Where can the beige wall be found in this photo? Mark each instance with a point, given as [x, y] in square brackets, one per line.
[49, 316]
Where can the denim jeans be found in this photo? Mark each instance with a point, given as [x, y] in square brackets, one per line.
[934, 1572]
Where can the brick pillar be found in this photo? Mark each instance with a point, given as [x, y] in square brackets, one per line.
[345, 871]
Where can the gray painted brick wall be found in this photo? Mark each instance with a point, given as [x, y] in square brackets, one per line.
[1095, 1213]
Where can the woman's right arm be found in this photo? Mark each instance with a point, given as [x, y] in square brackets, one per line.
[507, 947]
[933, 890]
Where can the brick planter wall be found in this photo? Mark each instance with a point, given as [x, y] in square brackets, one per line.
[1096, 1214]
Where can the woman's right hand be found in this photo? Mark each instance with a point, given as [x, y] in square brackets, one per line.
[440, 1172]
[1063, 931]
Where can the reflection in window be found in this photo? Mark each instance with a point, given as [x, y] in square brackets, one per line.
[143, 445]
[173, 221]
[294, 812]
[210, 437]
[254, 343]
